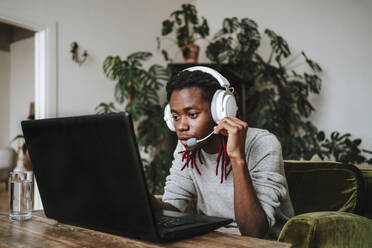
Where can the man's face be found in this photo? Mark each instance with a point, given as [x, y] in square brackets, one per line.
[191, 115]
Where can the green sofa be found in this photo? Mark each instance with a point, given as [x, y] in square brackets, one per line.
[332, 203]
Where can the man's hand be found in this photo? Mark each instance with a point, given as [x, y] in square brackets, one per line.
[249, 214]
[236, 130]
[159, 204]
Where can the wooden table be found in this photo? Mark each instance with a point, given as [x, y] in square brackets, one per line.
[43, 232]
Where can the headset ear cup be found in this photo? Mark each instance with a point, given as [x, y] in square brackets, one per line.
[216, 105]
[168, 118]
[230, 107]
[223, 104]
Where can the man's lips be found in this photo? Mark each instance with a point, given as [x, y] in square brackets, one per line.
[184, 139]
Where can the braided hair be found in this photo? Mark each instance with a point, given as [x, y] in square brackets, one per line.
[208, 85]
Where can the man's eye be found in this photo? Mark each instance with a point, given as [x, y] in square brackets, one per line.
[175, 117]
[193, 115]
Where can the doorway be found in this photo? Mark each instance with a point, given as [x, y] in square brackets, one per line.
[45, 75]
[17, 86]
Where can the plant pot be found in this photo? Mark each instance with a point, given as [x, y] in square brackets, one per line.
[190, 53]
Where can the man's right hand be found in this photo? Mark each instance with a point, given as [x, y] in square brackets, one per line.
[159, 204]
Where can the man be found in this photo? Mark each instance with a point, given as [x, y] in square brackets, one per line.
[236, 173]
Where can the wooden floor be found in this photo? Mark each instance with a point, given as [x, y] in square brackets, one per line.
[4, 199]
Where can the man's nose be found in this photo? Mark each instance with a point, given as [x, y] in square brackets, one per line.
[183, 124]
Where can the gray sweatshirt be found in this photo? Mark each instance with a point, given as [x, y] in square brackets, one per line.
[265, 165]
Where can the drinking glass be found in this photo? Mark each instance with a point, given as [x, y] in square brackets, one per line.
[21, 183]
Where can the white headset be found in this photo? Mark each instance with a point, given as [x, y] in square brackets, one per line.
[223, 102]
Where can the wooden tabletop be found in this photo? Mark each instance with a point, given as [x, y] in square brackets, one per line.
[43, 232]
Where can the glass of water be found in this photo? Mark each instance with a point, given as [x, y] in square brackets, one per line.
[20, 195]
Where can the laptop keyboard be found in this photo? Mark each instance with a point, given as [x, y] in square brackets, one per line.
[169, 221]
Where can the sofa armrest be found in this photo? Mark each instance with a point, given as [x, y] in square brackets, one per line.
[327, 229]
[367, 175]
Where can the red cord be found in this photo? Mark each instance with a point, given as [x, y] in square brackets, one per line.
[218, 158]
[191, 156]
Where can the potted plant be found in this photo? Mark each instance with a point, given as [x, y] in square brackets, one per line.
[276, 97]
[136, 91]
[188, 28]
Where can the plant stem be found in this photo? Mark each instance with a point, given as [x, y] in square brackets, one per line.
[294, 66]
[187, 28]
[131, 95]
[291, 60]
[271, 57]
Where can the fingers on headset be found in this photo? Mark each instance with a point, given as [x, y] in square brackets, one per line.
[233, 124]
[237, 120]
[222, 131]
[219, 130]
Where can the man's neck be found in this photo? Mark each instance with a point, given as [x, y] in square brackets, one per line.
[212, 145]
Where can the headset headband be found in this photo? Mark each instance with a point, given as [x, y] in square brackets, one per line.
[220, 79]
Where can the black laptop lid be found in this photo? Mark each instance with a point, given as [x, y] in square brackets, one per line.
[89, 173]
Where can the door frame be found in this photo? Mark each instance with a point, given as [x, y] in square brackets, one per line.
[45, 71]
[45, 63]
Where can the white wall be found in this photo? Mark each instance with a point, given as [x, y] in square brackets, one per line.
[4, 97]
[335, 33]
[22, 83]
[114, 27]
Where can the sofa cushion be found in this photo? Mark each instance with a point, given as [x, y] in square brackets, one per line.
[327, 229]
[324, 186]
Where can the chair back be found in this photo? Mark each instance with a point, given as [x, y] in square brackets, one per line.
[325, 186]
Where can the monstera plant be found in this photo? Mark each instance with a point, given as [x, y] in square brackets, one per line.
[277, 95]
[136, 92]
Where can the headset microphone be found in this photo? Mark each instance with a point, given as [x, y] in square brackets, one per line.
[193, 141]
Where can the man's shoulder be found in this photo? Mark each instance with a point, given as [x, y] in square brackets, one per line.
[261, 137]
[260, 144]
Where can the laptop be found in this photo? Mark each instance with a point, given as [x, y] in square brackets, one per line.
[89, 173]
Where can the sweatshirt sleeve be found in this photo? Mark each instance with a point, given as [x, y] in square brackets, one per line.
[179, 187]
[265, 164]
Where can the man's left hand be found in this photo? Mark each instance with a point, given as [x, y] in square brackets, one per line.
[236, 131]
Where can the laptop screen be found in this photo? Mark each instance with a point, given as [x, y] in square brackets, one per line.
[89, 172]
